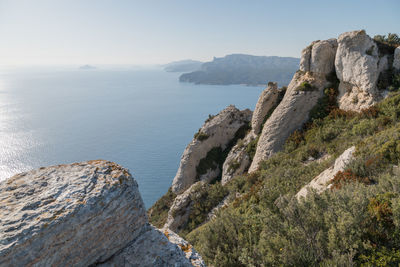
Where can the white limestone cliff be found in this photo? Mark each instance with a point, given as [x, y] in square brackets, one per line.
[316, 63]
[216, 132]
[266, 102]
[290, 115]
[238, 160]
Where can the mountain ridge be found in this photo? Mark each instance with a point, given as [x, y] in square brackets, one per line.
[244, 69]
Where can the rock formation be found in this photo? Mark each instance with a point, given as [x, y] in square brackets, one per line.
[179, 212]
[358, 65]
[290, 114]
[238, 160]
[319, 57]
[217, 132]
[396, 60]
[302, 94]
[268, 100]
[320, 183]
[357, 62]
[156, 248]
[77, 215]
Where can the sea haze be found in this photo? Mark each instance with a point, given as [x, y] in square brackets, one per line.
[140, 118]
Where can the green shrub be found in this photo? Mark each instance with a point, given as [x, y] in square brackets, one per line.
[158, 213]
[200, 135]
[204, 199]
[215, 157]
[387, 44]
[210, 117]
[233, 166]
[252, 147]
[306, 86]
[365, 127]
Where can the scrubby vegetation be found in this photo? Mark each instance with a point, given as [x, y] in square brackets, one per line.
[357, 222]
[215, 158]
[200, 136]
[251, 147]
[159, 211]
[233, 166]
[203, 199]
[306, 86]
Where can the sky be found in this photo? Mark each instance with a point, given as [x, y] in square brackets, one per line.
[49, 32]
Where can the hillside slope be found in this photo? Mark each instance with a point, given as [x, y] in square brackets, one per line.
[340, 147]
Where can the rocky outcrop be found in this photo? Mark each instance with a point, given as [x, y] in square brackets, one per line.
[190, 253]
[317, 62]
[321, 182]
[266, 102]
[179, 212]
[358, 66]
[290, 114]
[77, 215]
[156, 248]
[217, 132]
[319, 57]
[238, 160]
[396, 60]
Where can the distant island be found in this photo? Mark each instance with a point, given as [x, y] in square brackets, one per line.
[187, 65]
[87, 67]
[244, 69]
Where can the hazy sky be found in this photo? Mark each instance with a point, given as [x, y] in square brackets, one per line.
[151, 32]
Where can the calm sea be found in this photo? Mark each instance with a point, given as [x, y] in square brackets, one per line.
[140, 118]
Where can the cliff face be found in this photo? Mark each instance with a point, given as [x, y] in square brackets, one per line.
[77, 215]
[352, 66]
[356, 61]
[214, 136]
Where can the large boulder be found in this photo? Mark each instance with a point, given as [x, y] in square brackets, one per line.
[319, 57]
[301, 96]
[358, 67]
[217, 133]
[321, 182]
[73, 215]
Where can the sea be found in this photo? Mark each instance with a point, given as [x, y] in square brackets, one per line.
[139, 117]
